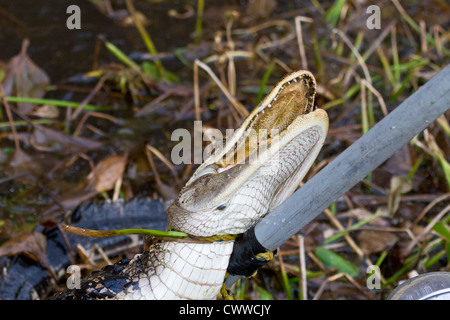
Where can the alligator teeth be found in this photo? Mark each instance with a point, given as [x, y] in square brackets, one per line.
[220, 170]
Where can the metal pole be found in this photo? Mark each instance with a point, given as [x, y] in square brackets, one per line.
[394, 131]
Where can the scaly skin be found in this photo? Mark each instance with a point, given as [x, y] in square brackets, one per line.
[224, 196]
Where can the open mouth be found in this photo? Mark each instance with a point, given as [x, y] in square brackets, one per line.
[287, 105]
[286, 133]
[290, 99]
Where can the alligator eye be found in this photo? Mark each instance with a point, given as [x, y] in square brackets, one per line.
[221, 207]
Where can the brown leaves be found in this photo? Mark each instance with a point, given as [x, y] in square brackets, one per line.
[107, 173]
[24, 78]
[32, 245]
[372, 241]
[399, 186]
[46, 111]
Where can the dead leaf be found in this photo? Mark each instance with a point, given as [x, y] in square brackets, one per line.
[102, 178]
[399, 185]
[46, 111]
[25, 79]
[376, 241]
[106, 173]
[33, 245]
[261, 9]
[362, 214]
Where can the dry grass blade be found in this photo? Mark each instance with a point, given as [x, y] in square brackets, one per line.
[323, 285]
[377, 42]
[289, 34]
[161, 157]
[94, 91]
[302, 278]
[432, 148]
[423, 38]
[88, 256]
[426, 230]
[10, 118]
[231, 66]
[284, 276]
[347, 237]
[85, 255]
[377, 94]
[101, 252]
[356, 53]
[364, 115]
[151, 106]
[166, 191]
[336, 277]
[439, 43]
[237, 105]
[231, 75]
[301, 47]
[196, 94]
[443, 122]
[430, 206]
[229, 55]
[93, 114]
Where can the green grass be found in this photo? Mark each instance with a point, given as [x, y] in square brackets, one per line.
[58, 103]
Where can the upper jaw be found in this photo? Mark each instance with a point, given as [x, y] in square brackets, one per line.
[289, 109]
[269, 121]
[292, 78]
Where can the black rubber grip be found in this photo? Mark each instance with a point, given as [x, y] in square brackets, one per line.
[243, 260]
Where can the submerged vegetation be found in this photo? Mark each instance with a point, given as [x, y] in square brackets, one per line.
[106, 134]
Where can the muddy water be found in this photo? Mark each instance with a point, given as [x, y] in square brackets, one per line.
[63, 53]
